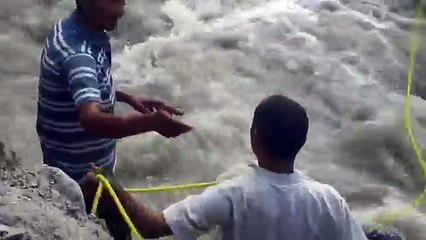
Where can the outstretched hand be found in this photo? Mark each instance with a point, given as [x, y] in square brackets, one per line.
[168, 126]
[146, 105]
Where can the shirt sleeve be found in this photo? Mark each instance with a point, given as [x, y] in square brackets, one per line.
[197, 215]
[80, 73]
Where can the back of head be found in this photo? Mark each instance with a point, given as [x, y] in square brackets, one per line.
[77, 4]
[281, 126]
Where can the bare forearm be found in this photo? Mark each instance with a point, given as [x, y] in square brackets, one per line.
[150, 225]
[123, 97]
[112, 126]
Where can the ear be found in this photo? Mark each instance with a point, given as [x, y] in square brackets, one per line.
[254, 140]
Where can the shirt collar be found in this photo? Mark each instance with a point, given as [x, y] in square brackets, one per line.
[280, 178]
[98, 38]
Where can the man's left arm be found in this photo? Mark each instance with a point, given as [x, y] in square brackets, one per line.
[123, 97]
[132, 101]
[144, 104]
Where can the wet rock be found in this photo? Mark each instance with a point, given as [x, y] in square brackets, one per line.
[3, 189]
[6, 218]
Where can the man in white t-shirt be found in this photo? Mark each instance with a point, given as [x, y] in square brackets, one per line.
[274, 202]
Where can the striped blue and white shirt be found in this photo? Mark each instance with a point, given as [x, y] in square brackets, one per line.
[75, 68]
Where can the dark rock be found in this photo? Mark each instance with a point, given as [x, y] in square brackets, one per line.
[10, 233]
[331, 6]
[380, 232]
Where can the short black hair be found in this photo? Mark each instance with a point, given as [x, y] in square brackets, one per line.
[77, 4]
[282, 125]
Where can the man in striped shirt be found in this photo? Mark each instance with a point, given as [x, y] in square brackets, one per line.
[76, 123]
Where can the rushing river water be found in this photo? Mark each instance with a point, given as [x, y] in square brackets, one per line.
[346, 62]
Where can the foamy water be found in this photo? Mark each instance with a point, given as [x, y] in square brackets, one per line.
[346, 62]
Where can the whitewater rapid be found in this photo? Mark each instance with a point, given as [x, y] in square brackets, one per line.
[346, 62]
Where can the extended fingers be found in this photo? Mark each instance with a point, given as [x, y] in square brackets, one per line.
[174, 111]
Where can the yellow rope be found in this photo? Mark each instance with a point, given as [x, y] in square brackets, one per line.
[104, 181]
[97, 197]
[414, 42]
[172, 188]
[414, 47]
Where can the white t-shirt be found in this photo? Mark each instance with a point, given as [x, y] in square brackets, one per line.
[263, 205]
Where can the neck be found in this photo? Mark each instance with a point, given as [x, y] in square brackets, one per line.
[88, 22]
[277, 165]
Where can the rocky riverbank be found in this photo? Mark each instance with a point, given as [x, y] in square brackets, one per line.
[41, 204]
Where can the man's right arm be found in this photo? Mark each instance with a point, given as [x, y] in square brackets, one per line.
[80, 71]
[107, 125]
[187, 219]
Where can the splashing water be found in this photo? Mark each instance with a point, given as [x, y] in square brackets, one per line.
[346, 62]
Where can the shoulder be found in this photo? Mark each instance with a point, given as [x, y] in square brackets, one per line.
[331, 195]
[330, 191]
[324, 187]
[322, 190]
[64, 42]
[230, 189]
